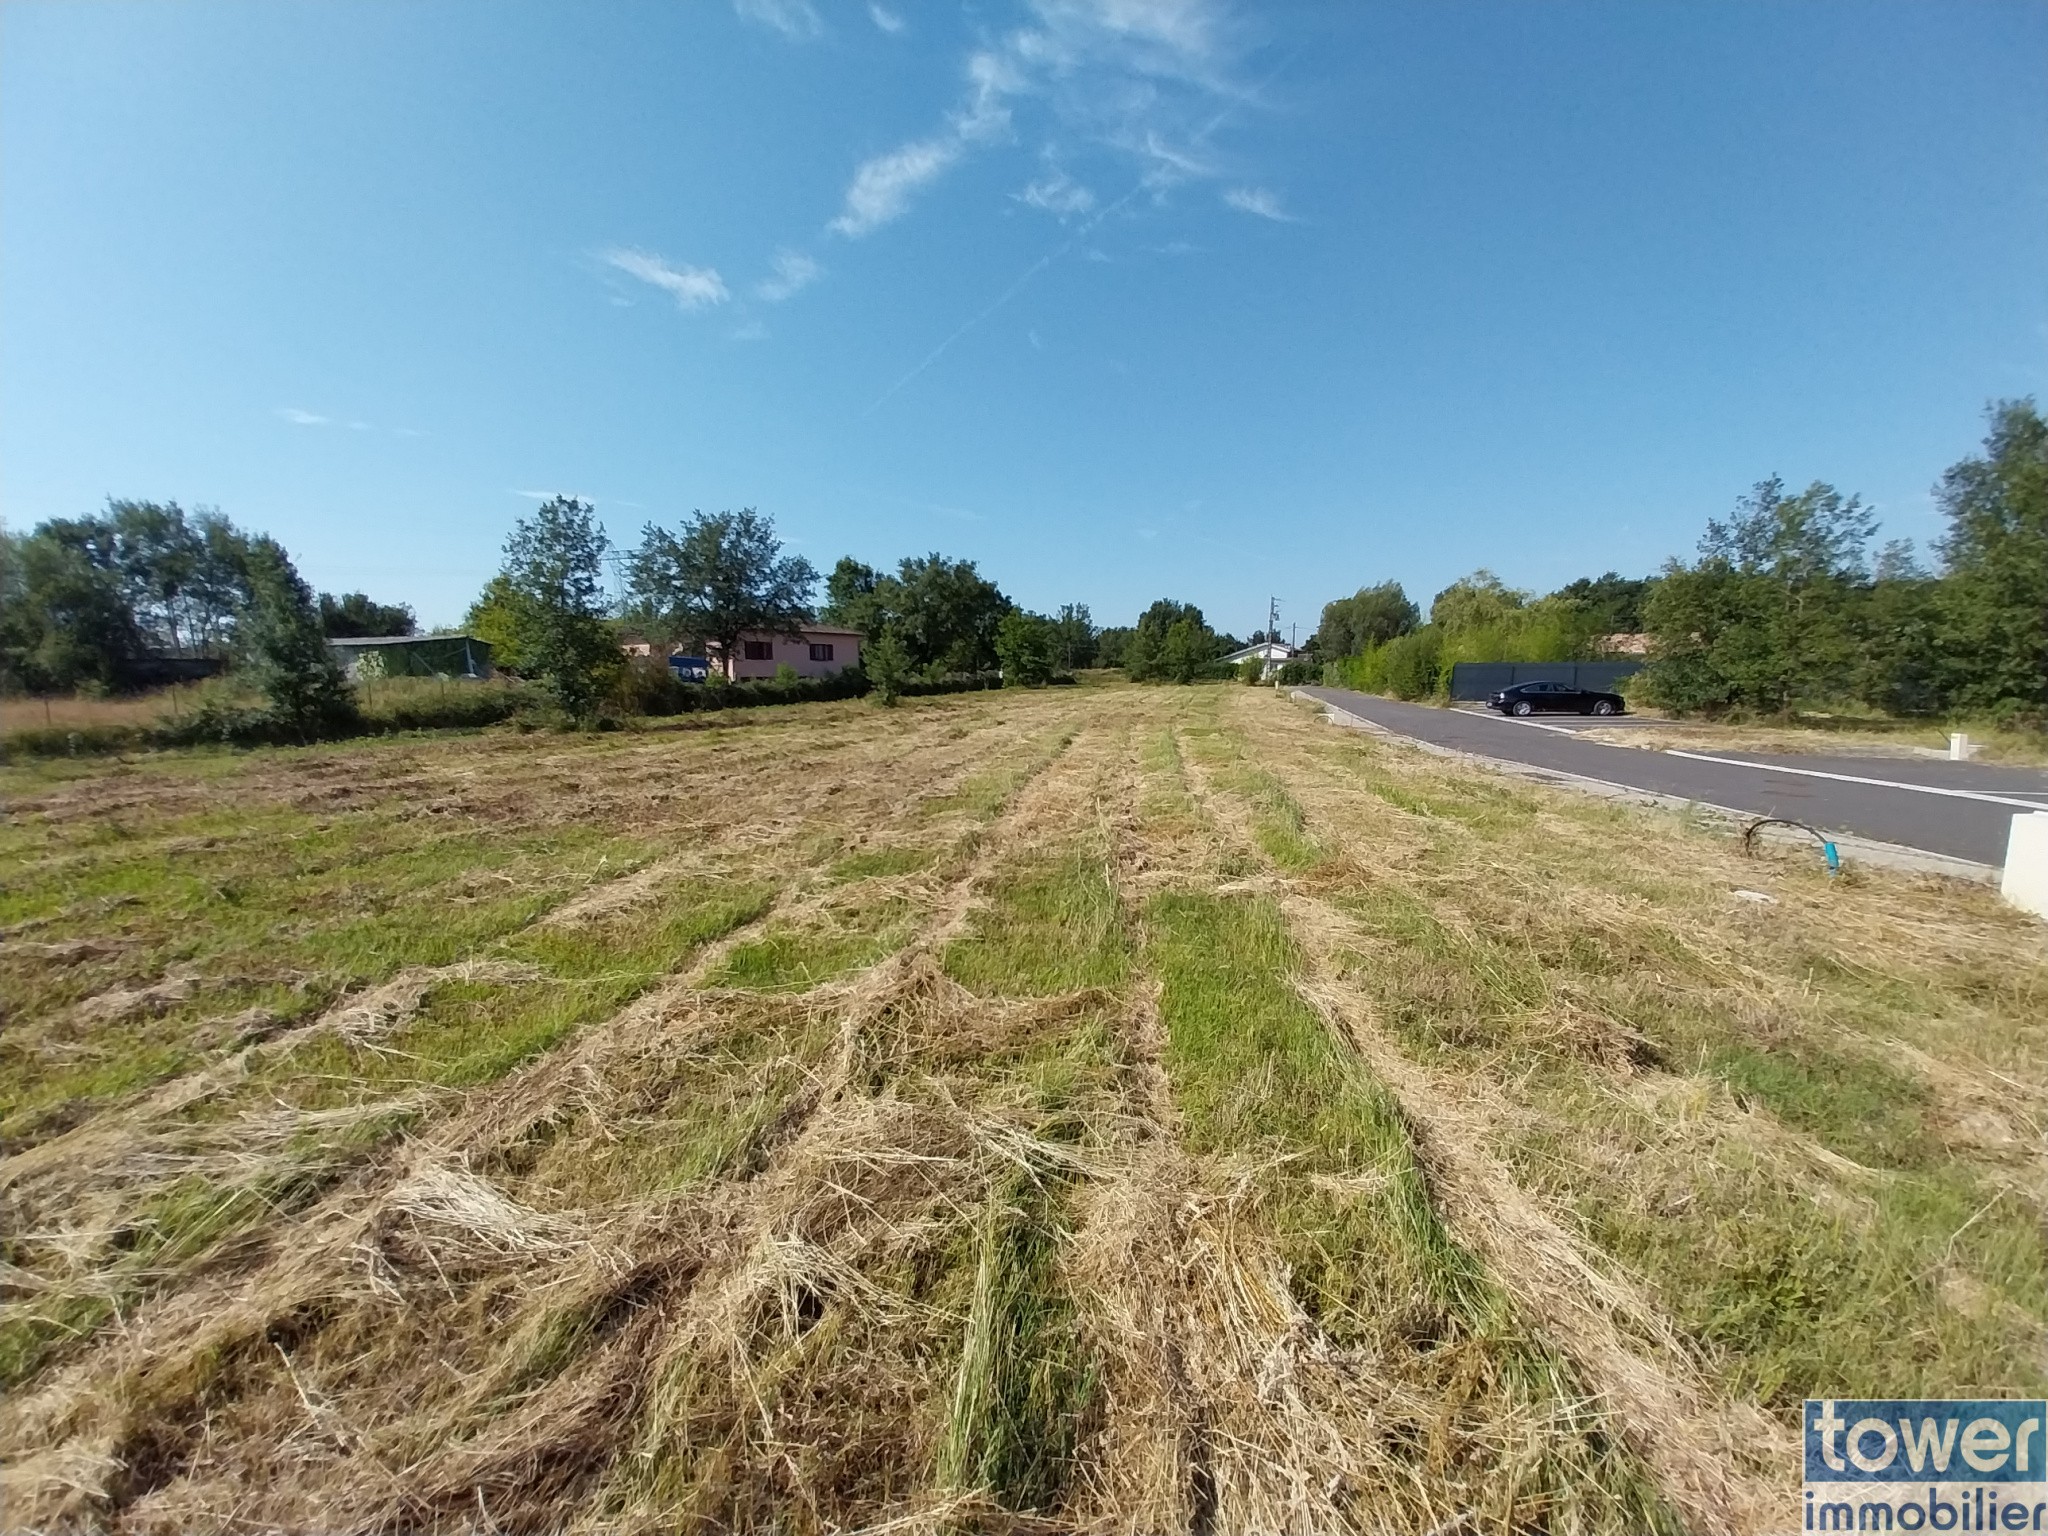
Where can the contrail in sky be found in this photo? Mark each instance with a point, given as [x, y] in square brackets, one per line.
[1072, 240]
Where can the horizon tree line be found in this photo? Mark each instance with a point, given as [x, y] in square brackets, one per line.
[1789, 600]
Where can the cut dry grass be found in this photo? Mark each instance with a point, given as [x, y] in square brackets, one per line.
[1109, 1109]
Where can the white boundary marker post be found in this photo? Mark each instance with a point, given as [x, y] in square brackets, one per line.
[2025, 882]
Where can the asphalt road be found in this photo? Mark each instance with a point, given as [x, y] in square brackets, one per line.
[1918, 803]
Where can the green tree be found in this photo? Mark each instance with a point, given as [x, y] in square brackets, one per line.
[1074, 643]
[1994, 599]
[1027, 645]
[1899, 661]
[1143, 653]
[1187, 651]
[944, 612]
[1370, 616]
[1412, 663]
[499, 618]
[353, 614]
[65, 622]
[1769, 614]
[1111, 644]
[948, 613]
[1612, 602]
[554, 569]
[852, 597]
[722, 577]
[887, 665]
[285, 652]
[1153, 653]
[1479, 601]
[186, 579]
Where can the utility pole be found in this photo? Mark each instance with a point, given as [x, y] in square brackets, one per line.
[1273, 619]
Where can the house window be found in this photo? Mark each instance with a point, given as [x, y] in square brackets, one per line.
[821, 653]
[759, 650]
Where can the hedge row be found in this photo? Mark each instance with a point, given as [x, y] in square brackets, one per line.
[459, 707]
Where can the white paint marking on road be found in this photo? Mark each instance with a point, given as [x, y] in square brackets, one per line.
[1850, 778]
[1534, 725]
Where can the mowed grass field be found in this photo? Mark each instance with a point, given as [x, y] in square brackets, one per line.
[1102, 1108]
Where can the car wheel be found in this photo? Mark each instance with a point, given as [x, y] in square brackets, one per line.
[1603, 707]
[1523, 707]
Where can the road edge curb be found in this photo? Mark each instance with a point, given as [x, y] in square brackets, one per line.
[1895, 856]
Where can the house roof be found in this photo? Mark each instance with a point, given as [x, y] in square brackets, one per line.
[1271, 650]
[808, 629]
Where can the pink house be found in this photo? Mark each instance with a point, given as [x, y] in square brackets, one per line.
[819, 650]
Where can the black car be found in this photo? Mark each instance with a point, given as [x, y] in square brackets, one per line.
[1538, 698]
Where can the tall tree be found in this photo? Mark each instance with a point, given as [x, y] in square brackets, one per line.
[854, 597]
[554, 573]
[1994, 602]
[943, 612]
[285, 650]
[64, 621]
[1479, 601]
[1173, 642]
[947, 613]
[354, 615]
[1370, 616]
[1768, 614]
[723, 576]
[186, 579]
[1112, 645]
[1027, 645]
[1074, 636]
[1613, 602]
[887, 665]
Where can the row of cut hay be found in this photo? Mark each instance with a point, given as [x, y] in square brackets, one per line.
[1360, 1422]
[123, 1206]
[384, 1235]
[1559, 998]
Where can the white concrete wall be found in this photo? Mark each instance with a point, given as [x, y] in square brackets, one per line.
[2025, 882]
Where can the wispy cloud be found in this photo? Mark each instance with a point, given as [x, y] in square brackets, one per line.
[692, 287]
[752, 330]
[795, 19]
[299, 418]
[1257, 200]
[886, 19]
[882, 187]
[793, 273]
[1141, 77]
[1059, 194]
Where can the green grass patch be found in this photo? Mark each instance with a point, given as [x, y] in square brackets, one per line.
[1853, 1105]
[983, 794]
[1278, 825]
[792, 959]
[1026, 1378]
[1255, 1072]
[1049, 927]
[872, 863]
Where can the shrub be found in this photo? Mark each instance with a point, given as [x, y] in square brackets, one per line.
[1252, 671]
[888, 664]
[1026, 645]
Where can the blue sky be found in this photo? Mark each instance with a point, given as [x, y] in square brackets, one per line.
[1120, 298]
